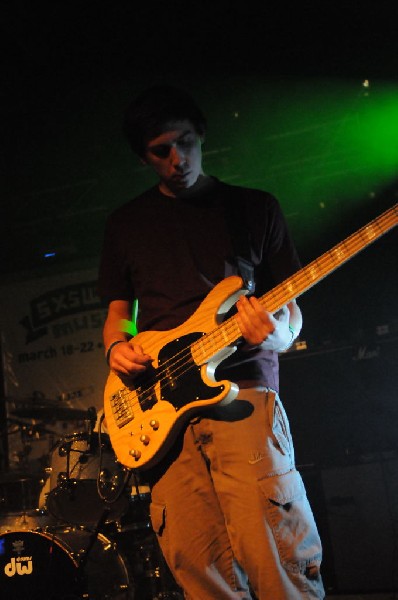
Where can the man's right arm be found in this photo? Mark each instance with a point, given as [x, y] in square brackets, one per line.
[124, 357]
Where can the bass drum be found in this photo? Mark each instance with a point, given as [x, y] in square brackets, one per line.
[35, 565]
[105, 571]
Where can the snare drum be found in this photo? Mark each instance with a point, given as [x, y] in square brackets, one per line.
[79, 466]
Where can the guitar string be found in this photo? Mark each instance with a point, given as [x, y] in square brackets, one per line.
[277, 295]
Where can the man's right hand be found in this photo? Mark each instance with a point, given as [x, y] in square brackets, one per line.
[128, 359]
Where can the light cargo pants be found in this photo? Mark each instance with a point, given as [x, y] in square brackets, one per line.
[230, 508]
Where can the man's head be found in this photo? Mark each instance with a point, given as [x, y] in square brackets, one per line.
[147, 116]
[166, 129]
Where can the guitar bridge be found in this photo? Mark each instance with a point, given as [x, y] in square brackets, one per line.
[121, 409]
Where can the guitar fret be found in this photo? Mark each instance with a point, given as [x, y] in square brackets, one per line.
[369, 232]
[224, 335]
[339, 253]
[289, 287]
[312, 271]
[204, 349]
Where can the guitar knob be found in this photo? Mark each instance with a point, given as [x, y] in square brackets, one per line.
[145, 439]
[135, 454]
[154, 424]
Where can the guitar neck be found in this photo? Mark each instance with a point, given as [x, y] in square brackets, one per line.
[228, 332]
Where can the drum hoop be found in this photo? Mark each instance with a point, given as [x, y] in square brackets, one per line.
[77, 436]
[104, 541]
[50, 537]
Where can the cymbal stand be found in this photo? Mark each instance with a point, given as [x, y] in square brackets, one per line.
[162, 588]
[84, 554]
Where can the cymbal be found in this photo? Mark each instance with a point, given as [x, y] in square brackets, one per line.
[51, 413]
[16, 475]
[23, 423]
[31, 400]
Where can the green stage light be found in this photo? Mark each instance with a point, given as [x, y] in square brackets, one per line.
[322, 147]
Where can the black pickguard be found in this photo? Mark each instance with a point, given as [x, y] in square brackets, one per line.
[181, 382]
[180, 378]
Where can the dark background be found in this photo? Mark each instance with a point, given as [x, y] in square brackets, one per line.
[69, 69]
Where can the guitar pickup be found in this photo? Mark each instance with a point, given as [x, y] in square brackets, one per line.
[121, 409]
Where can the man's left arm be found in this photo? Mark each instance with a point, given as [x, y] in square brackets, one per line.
[272, 332]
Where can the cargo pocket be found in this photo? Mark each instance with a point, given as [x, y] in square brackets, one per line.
[290, 517]
[158, 517]
[280, 426]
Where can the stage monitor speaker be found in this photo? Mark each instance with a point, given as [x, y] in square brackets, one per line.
[361, 504]
[342, 402]
[343, 411]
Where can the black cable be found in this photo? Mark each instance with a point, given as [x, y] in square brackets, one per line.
[127, 475]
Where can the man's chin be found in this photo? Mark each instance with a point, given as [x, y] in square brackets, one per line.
[182, 184]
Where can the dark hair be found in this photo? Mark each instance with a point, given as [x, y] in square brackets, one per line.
[146, 116]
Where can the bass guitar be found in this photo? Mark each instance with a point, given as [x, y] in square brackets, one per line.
[144, 415]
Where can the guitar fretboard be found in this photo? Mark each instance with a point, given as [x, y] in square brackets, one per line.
[228, 332]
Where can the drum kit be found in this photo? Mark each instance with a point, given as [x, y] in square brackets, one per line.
[74, 523]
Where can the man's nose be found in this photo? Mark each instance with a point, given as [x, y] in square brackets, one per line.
[177, 157]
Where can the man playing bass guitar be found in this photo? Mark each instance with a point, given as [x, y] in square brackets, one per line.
[227, 503]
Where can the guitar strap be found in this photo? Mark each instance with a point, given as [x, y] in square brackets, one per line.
[240, 238]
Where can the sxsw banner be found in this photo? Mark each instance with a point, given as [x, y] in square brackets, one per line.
[52, 339]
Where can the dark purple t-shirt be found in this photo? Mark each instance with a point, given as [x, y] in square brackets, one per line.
[170, 252]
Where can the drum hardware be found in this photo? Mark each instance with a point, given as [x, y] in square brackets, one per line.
[88, 490]
[31, 442]
[137, 517]
[92, 418]
[84, 554]
[51, 413]
[152, 578]
[107, 484]
[103, 568]
[135, 537]
[107, 563]
[37, 399]
[45, 410]
[85, 478]
[36, 519]
[19, 492]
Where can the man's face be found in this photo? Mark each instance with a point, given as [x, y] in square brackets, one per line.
[176, 157]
